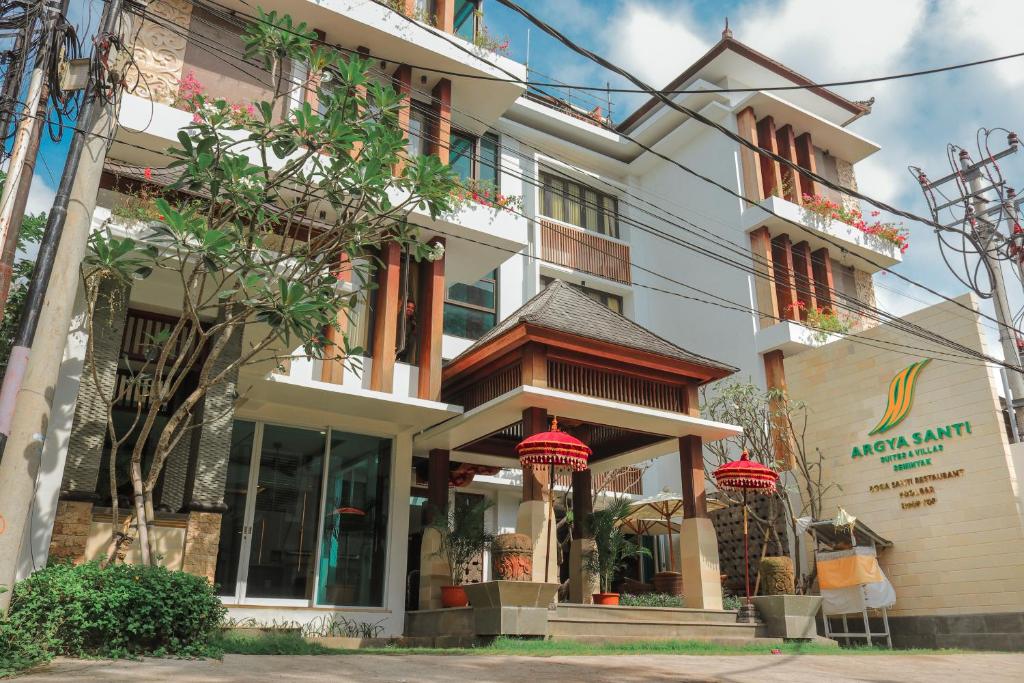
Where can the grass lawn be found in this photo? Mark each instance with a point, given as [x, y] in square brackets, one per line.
[290, 644]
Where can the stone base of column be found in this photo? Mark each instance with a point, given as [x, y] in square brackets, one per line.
[532, 520]
[698, 554]
[433, 570]
[582, 583]
[71, 530]
[202, 540]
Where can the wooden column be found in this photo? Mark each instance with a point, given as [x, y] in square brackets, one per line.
[444, 13]
[782, 439]
[385, 323]
[764, 282]
[805, 157]
[431, 327]
[771, 173]
[691, 466]
[333, 367]
[437, 481]
[535, 366]
[535, 479]
[441, 128]
[582, 503]
[403, 85]
[804, 273]
[824, 285]
[360, 93]
[746, 126]
[785, 280]
[786, 140]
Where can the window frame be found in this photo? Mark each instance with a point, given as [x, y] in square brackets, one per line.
[477, 153]
[548, 191]
[475, 307]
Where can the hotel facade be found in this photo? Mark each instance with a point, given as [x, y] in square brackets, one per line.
[589, 304]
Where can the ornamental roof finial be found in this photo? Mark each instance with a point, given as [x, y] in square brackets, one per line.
[726, 32]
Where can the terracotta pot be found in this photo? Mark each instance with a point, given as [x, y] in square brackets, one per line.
[606, 598]
[453, 596]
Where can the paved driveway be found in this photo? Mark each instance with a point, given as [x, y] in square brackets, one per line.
[485, 669]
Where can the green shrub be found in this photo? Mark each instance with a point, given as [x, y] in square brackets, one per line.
[732, 602]
[123, 609]
[651, 600]
[18, 650]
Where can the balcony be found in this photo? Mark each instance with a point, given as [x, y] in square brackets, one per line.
[584, 251]
[791, 338]
[820, 233]
[627, 480]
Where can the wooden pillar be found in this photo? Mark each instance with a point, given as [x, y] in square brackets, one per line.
[805, 157]
[691, 466]
[785, 138]
[771, 173]
[437, 481]
[333, 367]
[431, 326]
[403, 85]
[444, 14]
[535, 479]
[582, 503]
[385, 323]
[764, 281]
[535, 366]
[785, 280]
[746, 126]
[311, 95]
[782, 438]
[804, 275]
[824, 285]
[442, 126]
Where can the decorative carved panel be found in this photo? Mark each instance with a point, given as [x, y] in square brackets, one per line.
[160, 51]
[844, 170]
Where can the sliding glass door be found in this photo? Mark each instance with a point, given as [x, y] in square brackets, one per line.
[307, 518]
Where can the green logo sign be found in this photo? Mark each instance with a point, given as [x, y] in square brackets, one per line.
[901, 396]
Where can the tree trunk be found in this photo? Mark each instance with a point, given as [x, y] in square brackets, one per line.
[141, 523]
[150, 523]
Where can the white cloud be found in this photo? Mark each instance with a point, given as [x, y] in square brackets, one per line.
[655, 44]
[40, 197]
[982, 28]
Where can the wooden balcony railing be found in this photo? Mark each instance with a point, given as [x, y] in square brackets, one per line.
[584, 251]
[622, 480]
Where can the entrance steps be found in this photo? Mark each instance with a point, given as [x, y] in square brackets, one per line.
[601, 623]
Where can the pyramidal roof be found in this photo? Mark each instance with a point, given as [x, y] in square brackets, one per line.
[562, 308]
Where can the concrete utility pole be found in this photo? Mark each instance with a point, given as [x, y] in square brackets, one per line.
[15, 73]
[26, 143]
[984, 229]
[29, 383]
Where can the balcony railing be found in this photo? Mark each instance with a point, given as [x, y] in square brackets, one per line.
[584, 251]
[623, 480]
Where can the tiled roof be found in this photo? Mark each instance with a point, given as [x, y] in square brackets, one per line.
[562, 308]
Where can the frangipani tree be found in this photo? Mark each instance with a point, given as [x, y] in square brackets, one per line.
[262, 218]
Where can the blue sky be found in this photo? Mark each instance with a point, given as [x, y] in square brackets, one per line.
[824, 39]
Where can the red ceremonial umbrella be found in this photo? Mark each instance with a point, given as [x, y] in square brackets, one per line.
[746, 475]
[554, 448]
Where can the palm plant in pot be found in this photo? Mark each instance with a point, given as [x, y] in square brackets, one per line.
[463, 536]
[612, 548]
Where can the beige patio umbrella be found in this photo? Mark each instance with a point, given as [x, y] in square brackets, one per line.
[659, 509]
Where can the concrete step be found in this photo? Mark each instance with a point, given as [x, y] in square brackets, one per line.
[644, 614]
[768, 643]
[573, 628]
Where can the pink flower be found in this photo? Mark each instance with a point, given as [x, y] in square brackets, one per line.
[148, 173]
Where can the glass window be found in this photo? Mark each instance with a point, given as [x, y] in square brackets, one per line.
[610, 301]
[284, 525]
[576, 204]
[490, 159]
[419, 131]
[354, 543]
[462, 153]
[471, 310]
[233, 520]
[465, 18]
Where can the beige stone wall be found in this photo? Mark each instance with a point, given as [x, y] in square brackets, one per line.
[168, 542]
[202, 538]
[71, 531]
[963, 552]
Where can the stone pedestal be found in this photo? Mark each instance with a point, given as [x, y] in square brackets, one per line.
[433, 570]
[582, 584]
[532, 521]
[698, 554]
[511, 608]
[789, 616]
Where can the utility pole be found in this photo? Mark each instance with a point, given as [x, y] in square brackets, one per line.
[26, 145]
[30, 379]
[15, 73]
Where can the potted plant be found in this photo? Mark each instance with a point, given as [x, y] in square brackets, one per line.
[611, 548]
[463, 536]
